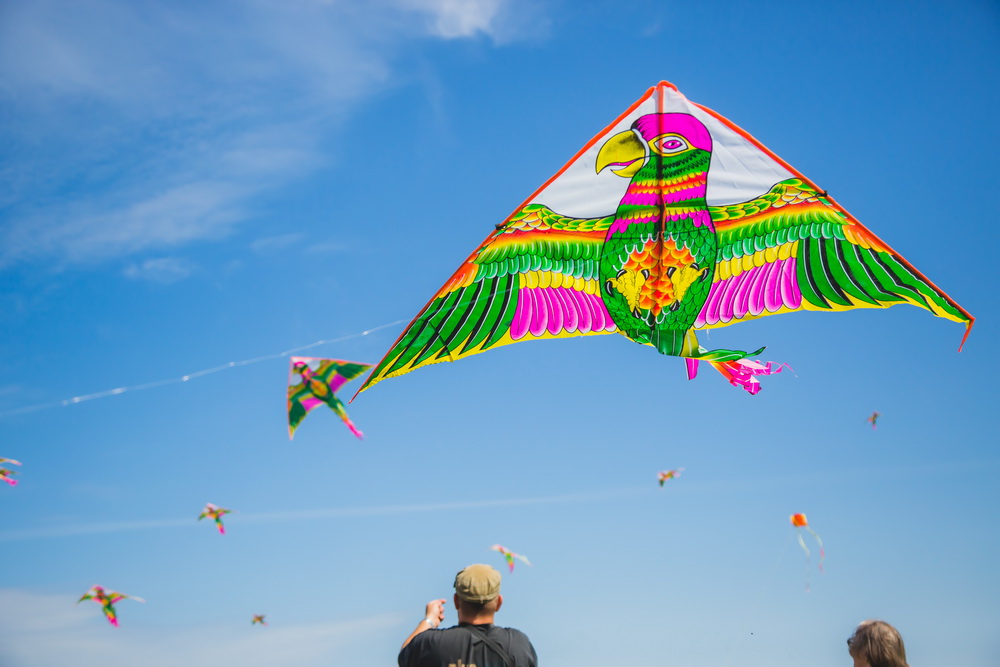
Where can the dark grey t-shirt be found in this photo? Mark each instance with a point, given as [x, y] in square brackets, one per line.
[461, 646]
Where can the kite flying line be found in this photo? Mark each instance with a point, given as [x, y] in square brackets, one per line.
[190, 376]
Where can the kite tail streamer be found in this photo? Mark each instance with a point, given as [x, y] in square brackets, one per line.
[739, 373]
[822, 551]
[802, 543]
[743, 373]
[350, 425]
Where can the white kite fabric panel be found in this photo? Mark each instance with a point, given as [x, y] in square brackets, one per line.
[740, 169]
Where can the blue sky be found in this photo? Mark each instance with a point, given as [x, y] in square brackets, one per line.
[187, 185]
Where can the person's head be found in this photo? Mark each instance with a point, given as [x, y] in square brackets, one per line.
[477, 593]
[877, 644]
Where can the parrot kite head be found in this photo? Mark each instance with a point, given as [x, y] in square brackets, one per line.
[95, 593]
[676, 142]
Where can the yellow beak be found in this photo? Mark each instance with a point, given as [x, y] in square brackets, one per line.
[624, 151]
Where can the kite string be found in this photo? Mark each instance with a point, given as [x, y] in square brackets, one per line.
[190, 376]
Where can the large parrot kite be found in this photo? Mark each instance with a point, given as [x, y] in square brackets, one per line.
[673, 219]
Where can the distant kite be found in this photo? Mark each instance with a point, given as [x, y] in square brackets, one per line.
[5, 475]
[314, 382]
[107, 600]
[800, 522]
[873, 420]
[215, 512]
[669, 474]
[510, 556]
[258, 618]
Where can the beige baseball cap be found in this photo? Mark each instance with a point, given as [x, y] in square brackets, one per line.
[477, 583]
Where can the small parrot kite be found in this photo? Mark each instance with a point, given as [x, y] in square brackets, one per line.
[873, 420]
[258, 618]
[669, 474]
[670, 221]
[509, 556]
[215, 512]
[5, 475]
[801, 523]
[311, 387]
[107, 600]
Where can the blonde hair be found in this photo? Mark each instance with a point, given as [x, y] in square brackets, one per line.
[879, 643]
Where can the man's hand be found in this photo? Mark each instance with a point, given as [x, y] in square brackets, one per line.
[433, 615]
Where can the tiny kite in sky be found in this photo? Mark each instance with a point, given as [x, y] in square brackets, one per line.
[669, 474]
[801, 523]
[215, 512]
[107, 600]
[258, 618]
[5, 475]
[671, 220]
[873, 420]
[314, 382]
[510, 556]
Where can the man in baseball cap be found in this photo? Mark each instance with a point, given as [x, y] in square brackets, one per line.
[475, 640]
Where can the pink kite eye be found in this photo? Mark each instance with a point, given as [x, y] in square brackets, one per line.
[672, 144]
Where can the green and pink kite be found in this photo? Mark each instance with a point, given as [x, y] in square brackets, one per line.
[314, 382]
[670, 221]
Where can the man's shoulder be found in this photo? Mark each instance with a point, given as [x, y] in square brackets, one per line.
[469, 630]
[513, 632]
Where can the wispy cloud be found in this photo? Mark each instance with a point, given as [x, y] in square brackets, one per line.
[276, 243]
[164, 270]
[312, 514]
[458, 18]
[500, 20]
[39, 630]
[134, 128]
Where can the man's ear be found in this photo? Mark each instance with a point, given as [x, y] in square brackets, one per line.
[456, 600]
[499, 601]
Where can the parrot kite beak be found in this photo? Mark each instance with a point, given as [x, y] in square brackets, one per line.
[624, 151]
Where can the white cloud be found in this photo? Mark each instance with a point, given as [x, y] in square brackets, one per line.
[141, 127]
[163, 270]
[309, 515]
[326, 247]
[276, 243]
[458, 18]
[40, 630]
